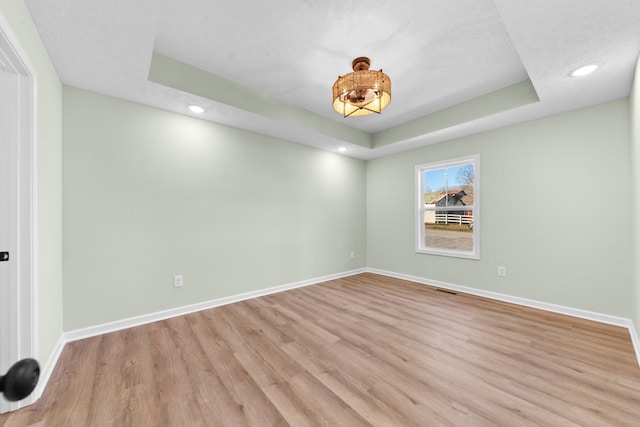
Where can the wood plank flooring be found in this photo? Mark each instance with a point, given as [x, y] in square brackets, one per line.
[364, 350]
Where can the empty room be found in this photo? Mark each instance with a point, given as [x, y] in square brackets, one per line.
[297, 213]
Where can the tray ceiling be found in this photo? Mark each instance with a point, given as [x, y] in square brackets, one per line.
[457, 68]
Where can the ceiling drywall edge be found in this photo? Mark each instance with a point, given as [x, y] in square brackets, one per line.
[178, 75]
[320, 131]
[508, 98]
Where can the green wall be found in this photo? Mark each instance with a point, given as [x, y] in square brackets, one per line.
[555, 211]
[635, 192]
[148, 194]
[49, 210]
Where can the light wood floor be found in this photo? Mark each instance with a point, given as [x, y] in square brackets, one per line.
[365, 350]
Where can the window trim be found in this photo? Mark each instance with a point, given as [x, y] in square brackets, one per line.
[419, 208]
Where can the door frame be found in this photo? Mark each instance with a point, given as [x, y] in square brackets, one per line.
[23, 330]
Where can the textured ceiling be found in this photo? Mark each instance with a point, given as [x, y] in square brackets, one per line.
[457, 67]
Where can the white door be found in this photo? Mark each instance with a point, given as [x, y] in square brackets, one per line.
[8, 238]
[17, 274]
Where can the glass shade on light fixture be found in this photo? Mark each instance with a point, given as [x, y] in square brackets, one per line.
[362, 92]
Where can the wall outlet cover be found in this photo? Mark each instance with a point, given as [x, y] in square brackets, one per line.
[178, 281]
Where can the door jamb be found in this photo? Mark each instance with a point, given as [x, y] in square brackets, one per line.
[24, 337]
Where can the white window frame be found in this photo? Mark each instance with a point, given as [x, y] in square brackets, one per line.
[420, 207]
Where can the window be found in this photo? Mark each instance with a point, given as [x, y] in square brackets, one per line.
[447, 208]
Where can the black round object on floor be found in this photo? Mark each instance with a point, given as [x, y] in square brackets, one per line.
[20, 380]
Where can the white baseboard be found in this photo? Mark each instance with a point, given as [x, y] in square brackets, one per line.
[635, 339]
[117, 325]
[47, 369]
[569, 311]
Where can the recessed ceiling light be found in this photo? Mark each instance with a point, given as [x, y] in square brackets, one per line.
[196, 109]
[342, 149]
[584, 71]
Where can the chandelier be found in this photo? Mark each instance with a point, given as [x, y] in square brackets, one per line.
[363, 91]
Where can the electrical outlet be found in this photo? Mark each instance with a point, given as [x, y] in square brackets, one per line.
[177, 281]
[502, 271]
[352, 255]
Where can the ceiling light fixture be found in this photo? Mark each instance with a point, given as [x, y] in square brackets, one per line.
[362, 92]
[342, 149]
[196, 109]
[584, 71]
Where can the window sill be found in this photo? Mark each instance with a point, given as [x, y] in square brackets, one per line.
[449, 253]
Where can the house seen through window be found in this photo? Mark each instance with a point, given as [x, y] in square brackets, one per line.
[447, 199]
